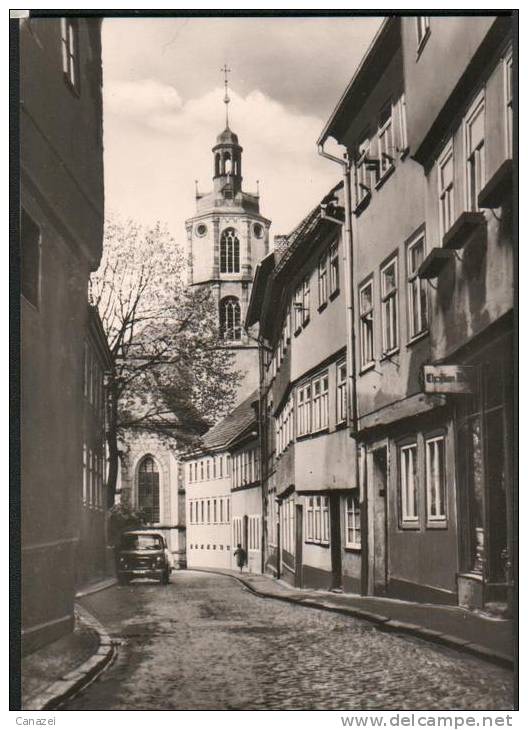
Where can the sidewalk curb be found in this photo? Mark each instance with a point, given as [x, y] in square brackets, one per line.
[384, 623]
[101, 586]
[77, 679]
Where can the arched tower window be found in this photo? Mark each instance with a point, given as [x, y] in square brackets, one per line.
[229, 252]
[227, 163]
[217, 164]
[230, 319]
[148, 490]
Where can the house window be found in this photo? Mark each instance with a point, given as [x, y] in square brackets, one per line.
[341, 392]
[306, 300]
[309, 519]
[363, 173]
[148, 490]
[366, 328]
[29, 259]
[435, 478]
[317, 524]
[298, 307]
[201, 511]
[229, 252]
[254, 532]
[304, 421]
[334, 268]
[389, 306]
[508, 92]
[422, 29]
[221, 510]
[320, 403]
[416, 291]
[70, 52]
[403, 145]
[208, 469]
[385, 141]
[323, 279]
[221, 467]
[230, 328]
[474, 141]
[85, 474]
[208, 511]
[353, 522]
[214, 511]
[408, 484]
[445, 189]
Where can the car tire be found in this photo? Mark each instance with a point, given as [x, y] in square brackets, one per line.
[165, 578]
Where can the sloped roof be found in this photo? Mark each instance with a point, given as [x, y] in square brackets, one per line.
[232, 425]
[306, 227]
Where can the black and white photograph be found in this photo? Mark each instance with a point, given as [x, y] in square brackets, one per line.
[264, 363]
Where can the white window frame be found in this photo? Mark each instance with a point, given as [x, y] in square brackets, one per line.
[414, 283]
[471, 158]
[70, 52]
[508, 101]
[446, 192]
[409, 512]
[306, 300]
[318, 524]
[353, 522]
[298, 307]
[341, 392]
[366, 327]
[334, 268]
[363, 174]
[304, 409]
[322, 279]
[320, 402]
[389, 309]
[385, 137]
[435, 478]
[423, 30]
[401, 111]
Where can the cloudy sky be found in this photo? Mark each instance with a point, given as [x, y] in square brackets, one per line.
[163, 108]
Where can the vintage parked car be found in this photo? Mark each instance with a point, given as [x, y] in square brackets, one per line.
[143, 554]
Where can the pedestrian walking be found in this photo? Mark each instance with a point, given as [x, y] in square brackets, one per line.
[240, 556]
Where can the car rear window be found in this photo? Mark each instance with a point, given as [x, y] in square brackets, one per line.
[141, 542]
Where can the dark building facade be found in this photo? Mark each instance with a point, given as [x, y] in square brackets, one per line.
[430, 169]
[61, 234]
[93, 559]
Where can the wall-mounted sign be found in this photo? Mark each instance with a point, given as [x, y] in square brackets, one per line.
[449, 379]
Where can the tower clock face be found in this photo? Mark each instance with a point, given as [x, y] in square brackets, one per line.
[257, 230]
[201, 229]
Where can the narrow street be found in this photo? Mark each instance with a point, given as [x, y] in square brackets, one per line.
[206, 643]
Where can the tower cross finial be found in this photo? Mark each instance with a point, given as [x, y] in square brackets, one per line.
[225, 70]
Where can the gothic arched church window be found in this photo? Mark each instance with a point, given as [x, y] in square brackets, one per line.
[148, 490]
[229, 252]
[230, 319]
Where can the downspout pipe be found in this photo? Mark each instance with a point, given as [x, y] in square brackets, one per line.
[352, 400]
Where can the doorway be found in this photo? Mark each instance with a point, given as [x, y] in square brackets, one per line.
[298, 545]
[377, 476]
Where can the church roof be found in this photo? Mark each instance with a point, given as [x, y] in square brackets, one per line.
[233, 425]
[227, 137]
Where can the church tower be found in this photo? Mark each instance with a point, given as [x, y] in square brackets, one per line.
[226, 239]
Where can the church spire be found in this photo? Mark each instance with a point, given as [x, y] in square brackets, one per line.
[225, 70]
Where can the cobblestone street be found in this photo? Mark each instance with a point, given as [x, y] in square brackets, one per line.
[206, 643]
